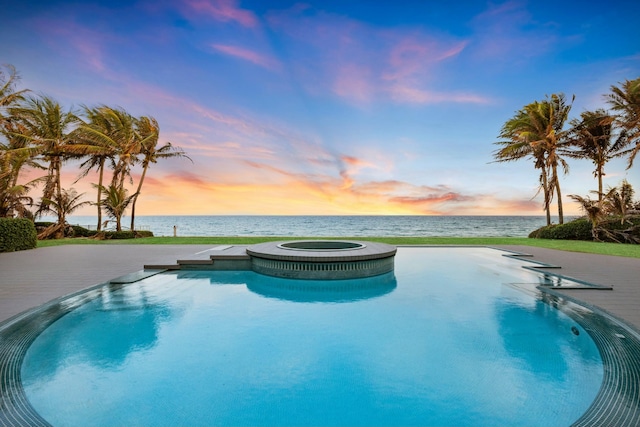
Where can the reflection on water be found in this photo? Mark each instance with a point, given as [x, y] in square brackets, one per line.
[103, 333]
[330, 291]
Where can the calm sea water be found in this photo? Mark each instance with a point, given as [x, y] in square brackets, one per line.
[319, 226]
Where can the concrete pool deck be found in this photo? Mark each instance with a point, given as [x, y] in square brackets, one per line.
[31, 278]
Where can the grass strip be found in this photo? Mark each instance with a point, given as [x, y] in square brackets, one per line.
[616, 249]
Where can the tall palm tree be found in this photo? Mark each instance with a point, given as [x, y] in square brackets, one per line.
[537, 131]
[516, 146]
[14, 155]
[591, 138]
[549, 117]
[149, 132]
[100, 133]
[124, 134]
[44, 123]
[625, 100]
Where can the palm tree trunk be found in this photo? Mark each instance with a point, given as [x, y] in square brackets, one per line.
[98, 202]
[135, 196]
[58, 188]
[545, 190]
[558, 194]
[599, 172]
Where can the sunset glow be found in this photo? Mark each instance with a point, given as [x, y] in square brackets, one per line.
[328, 107]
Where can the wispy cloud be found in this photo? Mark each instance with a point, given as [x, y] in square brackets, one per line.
[222, 11]
[363, 63]
[73, 40]
[508, 33]
[245, 54]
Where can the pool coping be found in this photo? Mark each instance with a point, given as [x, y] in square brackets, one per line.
[611, 407]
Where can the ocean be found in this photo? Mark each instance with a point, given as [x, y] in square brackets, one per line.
[331, 226]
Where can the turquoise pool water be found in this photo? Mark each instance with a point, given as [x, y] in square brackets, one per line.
[455, 337]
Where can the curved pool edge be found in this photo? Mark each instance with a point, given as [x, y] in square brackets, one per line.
[617, 402]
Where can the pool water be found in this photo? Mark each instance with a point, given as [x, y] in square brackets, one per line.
[453, 337]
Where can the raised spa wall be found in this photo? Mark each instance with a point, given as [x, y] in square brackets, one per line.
[315, 259]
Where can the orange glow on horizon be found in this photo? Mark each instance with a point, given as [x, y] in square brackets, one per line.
[189, 195]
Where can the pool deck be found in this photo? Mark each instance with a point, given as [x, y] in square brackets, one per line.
[31, 278]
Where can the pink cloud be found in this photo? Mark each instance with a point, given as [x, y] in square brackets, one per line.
[413, 95]
[363, 63]
[507, 30]
[223, 11]
[248, 55]
[79, 42]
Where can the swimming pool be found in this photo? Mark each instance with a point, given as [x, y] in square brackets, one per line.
[451, 337]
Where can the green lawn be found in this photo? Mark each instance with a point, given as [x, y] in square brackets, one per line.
[632, 251]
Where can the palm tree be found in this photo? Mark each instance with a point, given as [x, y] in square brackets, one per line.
[594, 210]
[8, 79]
[625, 100]
[537, 131]
[14, 155]
[44, 124]
[100, 134]
[115, 202]
[591, 138]
[549, 117]
[66, 204]
[619, 200]
[149, 132]
[123, 132]
[516, 146]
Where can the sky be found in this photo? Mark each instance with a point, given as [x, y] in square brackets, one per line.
[329, 107]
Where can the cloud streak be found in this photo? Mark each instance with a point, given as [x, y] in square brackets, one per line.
[222, 11]
[362, 63]
[254, 57]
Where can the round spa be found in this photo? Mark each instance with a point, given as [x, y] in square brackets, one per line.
[322, 259]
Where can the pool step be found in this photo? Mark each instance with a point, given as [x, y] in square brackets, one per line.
[224, 257]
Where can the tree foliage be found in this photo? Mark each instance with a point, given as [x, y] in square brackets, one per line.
[36, 132]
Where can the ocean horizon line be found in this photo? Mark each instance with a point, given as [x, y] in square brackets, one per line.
[327, 225]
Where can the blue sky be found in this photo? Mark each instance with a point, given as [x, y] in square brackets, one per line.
[329, 107]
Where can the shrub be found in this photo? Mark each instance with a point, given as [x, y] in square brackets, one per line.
[120, 235]
[578, 229]
[17, 234]
[79, 231]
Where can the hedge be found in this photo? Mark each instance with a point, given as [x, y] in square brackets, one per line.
[17, 234]
[578, 229]
[610, 230]
[117, 235]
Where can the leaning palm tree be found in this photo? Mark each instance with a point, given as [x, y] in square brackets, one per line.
[115, 202]
[537, 131]
[548, 118]
[149, 132]
[100, 133]
[516, 146]
[44, 123]
[63, 206]
[625, 101]
[591, 138]
[123, 133]
[15, 154]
